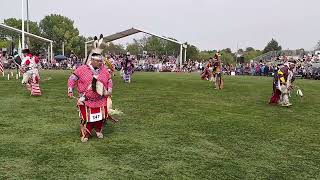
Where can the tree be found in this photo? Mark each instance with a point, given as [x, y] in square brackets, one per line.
[16, 23]
[249, 55]
[114, 49]
[227, 50]
[134, 48]
[4, 43]
[77, 46]
[317, 46]
[155, 45]
[60, 29]
[300, 52]
[33, 44]
[272, 46]
[205, 55]
[227, 58]
[172, 48]
[249, 49]
[211, 51]
[240, 51]
[192, 52]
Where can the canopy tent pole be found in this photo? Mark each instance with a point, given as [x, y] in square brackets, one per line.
[185, 54]
[22, 19]
[85, 50]
[51, 52]
[27, 15]
[48, 54]
[28, 40]
[180, 57]
[19, 47]
[63, 48]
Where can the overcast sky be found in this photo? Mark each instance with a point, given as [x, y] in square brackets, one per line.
[208, 24]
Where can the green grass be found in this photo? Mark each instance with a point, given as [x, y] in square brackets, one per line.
[175, 126]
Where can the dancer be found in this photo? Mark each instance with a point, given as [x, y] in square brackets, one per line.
[31, 76]
[94, 86]
[217, 72]
[282, 85]
[127, 68]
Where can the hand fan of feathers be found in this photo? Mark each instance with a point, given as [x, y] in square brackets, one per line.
[103, 92]
[299, 93]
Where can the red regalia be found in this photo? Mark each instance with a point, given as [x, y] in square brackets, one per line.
[94, 86]
[31, 77]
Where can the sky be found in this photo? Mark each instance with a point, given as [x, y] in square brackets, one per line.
[207, 24]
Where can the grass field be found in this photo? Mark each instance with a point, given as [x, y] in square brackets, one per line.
[175, 126]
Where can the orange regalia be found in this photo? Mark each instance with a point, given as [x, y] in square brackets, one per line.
[109, 64]
[217, 74]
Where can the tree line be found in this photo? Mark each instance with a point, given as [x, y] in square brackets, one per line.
[62, 30]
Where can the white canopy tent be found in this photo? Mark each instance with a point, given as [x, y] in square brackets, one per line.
[132, 31]
[3, 26]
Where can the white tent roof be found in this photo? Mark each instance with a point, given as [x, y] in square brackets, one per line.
[132, 31]
[3, 26]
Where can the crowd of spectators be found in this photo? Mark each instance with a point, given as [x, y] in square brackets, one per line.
[308, 66]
